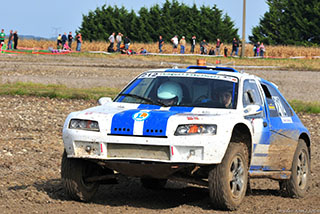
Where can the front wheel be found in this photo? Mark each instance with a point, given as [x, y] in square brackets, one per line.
[73, 174]
[228, 180]
[297, 185]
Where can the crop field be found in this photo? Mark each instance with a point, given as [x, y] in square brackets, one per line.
[31, 144]
[271, 51]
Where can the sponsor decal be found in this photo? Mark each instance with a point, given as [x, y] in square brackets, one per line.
[193, 118]
[272, 107]
[141, 116]
[185, 74]
[286, 119]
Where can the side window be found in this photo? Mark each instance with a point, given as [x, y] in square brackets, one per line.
[251, 95]
[278, 107]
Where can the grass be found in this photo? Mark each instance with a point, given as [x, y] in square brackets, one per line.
[306, 107]
[62, 92]
[55, 91]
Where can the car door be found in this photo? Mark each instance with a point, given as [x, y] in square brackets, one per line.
[283, 137]
[253, 95]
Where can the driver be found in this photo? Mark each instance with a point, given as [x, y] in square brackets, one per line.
[170, 93]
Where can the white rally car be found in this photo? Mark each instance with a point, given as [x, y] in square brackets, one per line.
[211, 126]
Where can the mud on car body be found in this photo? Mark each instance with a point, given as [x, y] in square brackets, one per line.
[211, 126]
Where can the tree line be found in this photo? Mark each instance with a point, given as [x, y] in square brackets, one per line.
[172, 18]
[294, 22]
[289, 22]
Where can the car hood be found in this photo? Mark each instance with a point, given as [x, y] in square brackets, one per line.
[148, 120]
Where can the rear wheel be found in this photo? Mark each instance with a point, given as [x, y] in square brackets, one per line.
[228, 180]
[297, 185]
[152, 183]
[73, 174]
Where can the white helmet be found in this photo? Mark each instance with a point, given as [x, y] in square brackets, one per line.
[170, 90]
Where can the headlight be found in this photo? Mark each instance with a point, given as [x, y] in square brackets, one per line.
[190, 129]
[84, 125]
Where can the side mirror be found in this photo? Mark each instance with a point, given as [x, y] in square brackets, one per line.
[104, 100]
[252, 110]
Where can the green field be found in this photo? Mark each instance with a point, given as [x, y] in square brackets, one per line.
[62, 92]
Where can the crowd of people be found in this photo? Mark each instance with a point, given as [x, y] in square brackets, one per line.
[12, 40]
[64, 42]
[205, 49]
[259, 49]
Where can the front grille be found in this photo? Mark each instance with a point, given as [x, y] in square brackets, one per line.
[138, 151]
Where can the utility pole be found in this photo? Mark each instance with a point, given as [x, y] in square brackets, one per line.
[243, 29]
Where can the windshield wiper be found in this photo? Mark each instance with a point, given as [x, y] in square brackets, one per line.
[145, 99]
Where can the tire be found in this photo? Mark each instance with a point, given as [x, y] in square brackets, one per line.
[228, 180]
[152, 183]
[297, 185]
[73, 172]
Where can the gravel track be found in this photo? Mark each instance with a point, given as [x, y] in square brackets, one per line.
[31, 148]
[86, 72]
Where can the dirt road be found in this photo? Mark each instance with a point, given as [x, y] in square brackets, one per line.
[87, 72]
[31, 148]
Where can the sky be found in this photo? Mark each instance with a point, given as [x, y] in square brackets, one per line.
[48, 18]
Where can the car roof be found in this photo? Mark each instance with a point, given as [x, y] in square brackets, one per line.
[214, 70]
[207, 70]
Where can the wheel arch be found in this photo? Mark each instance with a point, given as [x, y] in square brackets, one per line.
[241, 133]
[304, 136]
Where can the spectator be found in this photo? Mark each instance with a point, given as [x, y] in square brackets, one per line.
[143, 51]
[193, 44]
[175, 42]
[64, 39]
[70, 38]
[10, 38]
[66, 47]
[111, 40]
[126, 42]
[59, 42]
[211, 51]
[262, 49]
[79, 41]
[2, 37]
[182, 45]
[225, 51]
[161, 42]
[119, 40]
[235, 47]
[15, 39]
[218, 45]
[256, 49]
[203, 47]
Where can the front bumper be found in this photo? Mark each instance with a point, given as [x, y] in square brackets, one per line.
[173, 149]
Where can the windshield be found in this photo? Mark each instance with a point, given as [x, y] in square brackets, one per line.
[182, 89]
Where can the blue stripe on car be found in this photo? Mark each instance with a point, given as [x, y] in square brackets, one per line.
[156, 124]
[176, 70]
[207, 72]
[122, 122]
[148, 107]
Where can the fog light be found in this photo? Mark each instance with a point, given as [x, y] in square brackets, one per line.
[88, 149]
